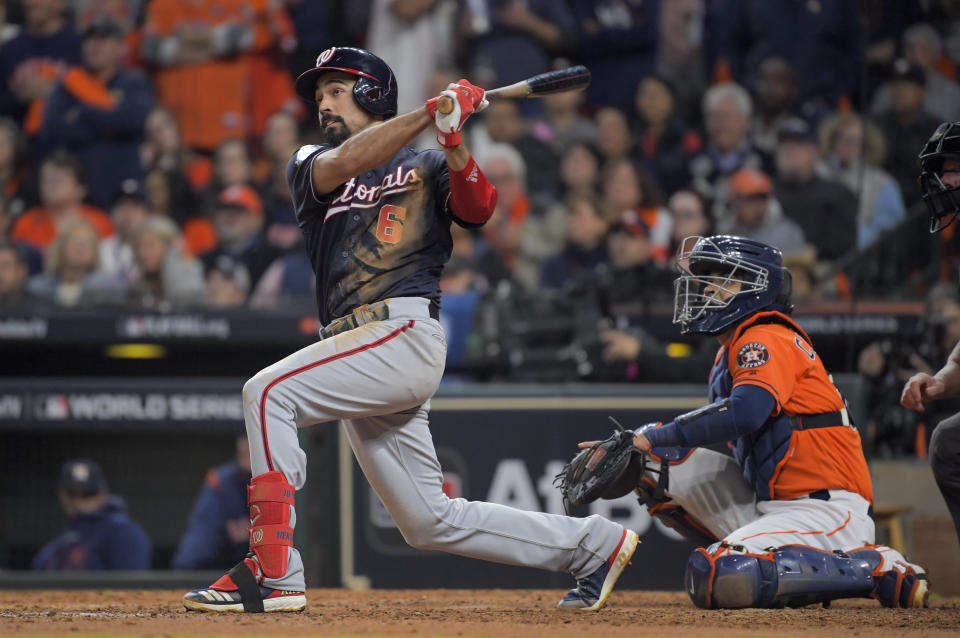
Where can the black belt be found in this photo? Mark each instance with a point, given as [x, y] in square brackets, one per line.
[822, 420]
[824, 495]
[378, 311]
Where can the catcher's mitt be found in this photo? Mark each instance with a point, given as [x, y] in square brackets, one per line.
[608, 469]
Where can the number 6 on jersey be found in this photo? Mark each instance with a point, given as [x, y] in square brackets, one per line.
[390, 223]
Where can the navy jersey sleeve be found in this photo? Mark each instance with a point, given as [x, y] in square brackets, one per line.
[300, 180]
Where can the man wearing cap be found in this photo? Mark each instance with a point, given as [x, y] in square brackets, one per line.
[100, 535]
[826, 211]
[754, 213]
[238, 219]
[906, 126]
[98, 111]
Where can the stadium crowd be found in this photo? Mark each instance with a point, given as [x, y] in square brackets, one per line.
[143, 145]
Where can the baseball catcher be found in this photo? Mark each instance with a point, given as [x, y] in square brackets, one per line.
[787, 520]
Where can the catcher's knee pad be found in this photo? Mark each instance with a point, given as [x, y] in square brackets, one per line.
[723, 576]
[270, 498]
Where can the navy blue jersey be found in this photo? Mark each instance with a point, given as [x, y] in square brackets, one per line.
[384, 233]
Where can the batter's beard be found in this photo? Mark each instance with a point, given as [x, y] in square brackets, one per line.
[335, 134]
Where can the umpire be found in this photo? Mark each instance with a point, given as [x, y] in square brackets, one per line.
[940, 189]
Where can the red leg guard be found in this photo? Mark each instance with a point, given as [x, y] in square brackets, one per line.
[270, 498]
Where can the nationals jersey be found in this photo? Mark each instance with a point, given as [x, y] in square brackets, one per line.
[384, 233]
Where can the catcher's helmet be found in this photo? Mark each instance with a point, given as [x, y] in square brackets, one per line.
[943, 202]
[376, 86]
[717, 263]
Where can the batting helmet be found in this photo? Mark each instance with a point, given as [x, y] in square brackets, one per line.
[724, 279]
[943, 202]
[376, 86]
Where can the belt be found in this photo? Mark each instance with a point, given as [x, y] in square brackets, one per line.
[824, 495]
[822, 420]
[380, 311]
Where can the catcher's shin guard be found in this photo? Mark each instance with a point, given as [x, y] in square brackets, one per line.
[270, 498]
[724, 577]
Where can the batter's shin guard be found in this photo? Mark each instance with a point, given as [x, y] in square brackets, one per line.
[723, 576]
[270, 498]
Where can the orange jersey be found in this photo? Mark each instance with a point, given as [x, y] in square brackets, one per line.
[770, 351]
[38, 227]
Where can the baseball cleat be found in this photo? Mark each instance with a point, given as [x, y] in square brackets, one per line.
[210, 599]
[591, 592]
[239, 590]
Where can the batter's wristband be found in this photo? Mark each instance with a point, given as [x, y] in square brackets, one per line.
[473, 198]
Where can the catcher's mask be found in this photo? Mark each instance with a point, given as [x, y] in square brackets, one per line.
[724, 279]
[942, 201]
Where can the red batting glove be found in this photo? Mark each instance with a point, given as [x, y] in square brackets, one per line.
[467, 99]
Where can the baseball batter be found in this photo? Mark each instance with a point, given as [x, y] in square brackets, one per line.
[940, 188]
[788, 519]
[376, 218]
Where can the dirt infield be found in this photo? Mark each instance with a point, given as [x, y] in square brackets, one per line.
[462, 613]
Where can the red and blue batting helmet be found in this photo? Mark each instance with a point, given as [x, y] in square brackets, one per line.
[376, 87]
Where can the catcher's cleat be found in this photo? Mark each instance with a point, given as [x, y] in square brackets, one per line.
[905, 585]
[592, 592]
[239, 591]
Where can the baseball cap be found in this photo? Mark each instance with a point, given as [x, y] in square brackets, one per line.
[83, 476]
[794, 129]
[747, 182]
[103, 27]
[631, 223]
[904, 70]
[130, 190]
[242, 197]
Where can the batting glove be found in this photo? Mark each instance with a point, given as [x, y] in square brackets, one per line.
[466, 99]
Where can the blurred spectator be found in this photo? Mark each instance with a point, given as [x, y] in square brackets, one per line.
[163, 149]
[71, 262]
[164, 276]
[776, 100]
[510, 40]
[17, 183]
[8, 29]
[280, 141]
[238, 218]
[854, 149]
[562, 124]
[754, 213]
[805, 288]
[637, 275]
[922, 47]
[665, 146]
[819, 38]
[32, 60]
[617, 41]
[521, 231]
[62, 189]
[97, 112]
[129, 211]
[14, 273]
[906, 127]
[100, 534]
[460, 300]
[270, 82]
[585, 250]
[289, 282]
[316, 25]
[580, 169]
[628, 188]
[727, 109]
[196, 48]
[504, 124]
[614, 139]
[825, 210]
[416, 36]
[680, 57]
[216, 534]
[689, 218]
[232, 165]
[228, 283]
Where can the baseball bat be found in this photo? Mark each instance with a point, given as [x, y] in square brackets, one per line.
[571, 79]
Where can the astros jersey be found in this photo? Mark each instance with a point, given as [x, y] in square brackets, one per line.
[770, 351]
[384, 233]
